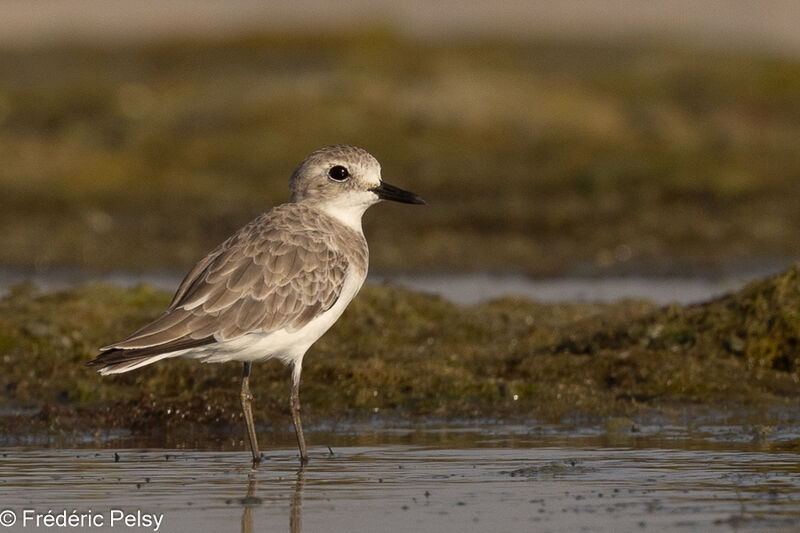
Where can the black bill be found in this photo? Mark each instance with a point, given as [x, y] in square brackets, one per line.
[396, 194]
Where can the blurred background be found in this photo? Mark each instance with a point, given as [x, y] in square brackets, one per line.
[551, 139]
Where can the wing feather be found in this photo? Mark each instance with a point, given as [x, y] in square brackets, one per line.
[220, 298]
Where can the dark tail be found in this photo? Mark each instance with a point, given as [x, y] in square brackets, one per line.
[118, 360]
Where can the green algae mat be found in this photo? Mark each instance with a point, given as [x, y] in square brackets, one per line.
[539, 157]
[400, 354]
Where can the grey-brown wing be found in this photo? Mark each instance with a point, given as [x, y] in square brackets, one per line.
[266, 277]
[195, 273]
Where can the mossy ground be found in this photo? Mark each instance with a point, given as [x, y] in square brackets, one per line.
[542, 157]
[404, 354]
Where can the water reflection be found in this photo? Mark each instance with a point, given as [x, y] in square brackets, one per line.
[296, 516]
[251, 501]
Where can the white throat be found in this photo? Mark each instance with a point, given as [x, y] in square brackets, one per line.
[348, 209]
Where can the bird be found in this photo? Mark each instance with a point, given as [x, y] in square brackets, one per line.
[275, 286]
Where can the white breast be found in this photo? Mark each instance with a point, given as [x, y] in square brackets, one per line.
[289, 347]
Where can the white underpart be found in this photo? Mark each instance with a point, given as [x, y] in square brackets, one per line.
[348, 208]
[288, 346]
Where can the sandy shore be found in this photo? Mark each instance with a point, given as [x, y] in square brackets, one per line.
[770, 25]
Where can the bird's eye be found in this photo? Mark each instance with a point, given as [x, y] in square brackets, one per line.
[338, 173]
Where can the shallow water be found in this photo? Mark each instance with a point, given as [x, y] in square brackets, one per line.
[463, 289]
[469, 289]
[439, 479]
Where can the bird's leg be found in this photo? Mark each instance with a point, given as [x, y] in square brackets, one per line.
[247, 398]
[294, 402]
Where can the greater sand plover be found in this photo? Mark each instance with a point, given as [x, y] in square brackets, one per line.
[276, 285]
